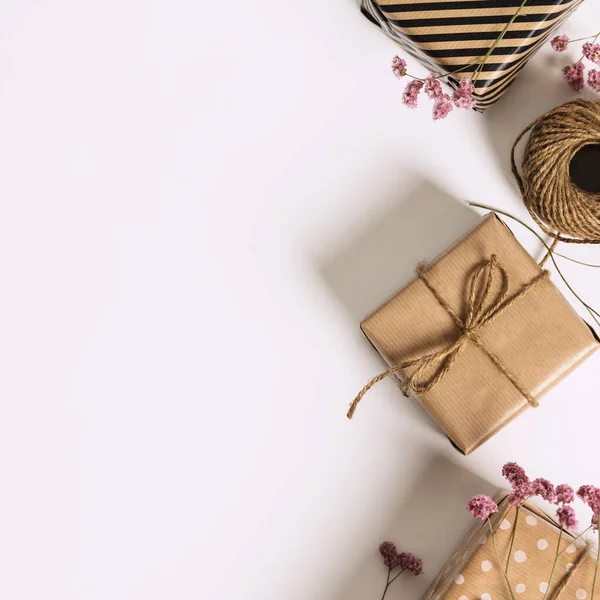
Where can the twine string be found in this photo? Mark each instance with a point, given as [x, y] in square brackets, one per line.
[482, 307]
[562, 210]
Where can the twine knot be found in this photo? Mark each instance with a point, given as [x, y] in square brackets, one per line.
[487, 298]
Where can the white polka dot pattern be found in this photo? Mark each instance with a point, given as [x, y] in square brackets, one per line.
[477, 576]
[520, 556]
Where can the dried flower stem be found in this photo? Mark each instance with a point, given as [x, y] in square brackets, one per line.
[387, 583]
[397, 575]
[498, 40]
[597, 563]
[444, 74]
[575, 539]
[390, 581]
[555, 561]
[590, 310]
[498, 559]
[589, 37]
[512, 537]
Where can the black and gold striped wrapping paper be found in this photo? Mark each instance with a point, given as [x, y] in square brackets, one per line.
[447, 35]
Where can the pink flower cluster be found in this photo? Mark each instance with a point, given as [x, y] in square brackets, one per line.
[411, 562]
[594, 79]
[560, 43]
[482, 506]
[575, 73]
[564, 494]
[443, 104]
[522, 489]
[405, 560]
[398, 66]
[566, 517]
[592, 52]
[591, 496]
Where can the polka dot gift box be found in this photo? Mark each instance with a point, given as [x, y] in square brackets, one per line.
[473, 573]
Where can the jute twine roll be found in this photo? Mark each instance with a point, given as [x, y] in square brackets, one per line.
[561, 209]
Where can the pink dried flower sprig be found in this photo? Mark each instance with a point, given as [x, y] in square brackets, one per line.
[399, 66]
[411, 562]
[442, 107]
[544, 489]
[411, 93]
[575, 73]
[565, 494]
[522, 488]
[433, 87]
[464, 97]
[443, 104]
[404, 561]
[566, 517]
[592, 52]
[391, 558]
[482, 506]
[560, 43]
[594, 79]
[515, 474]
[591, 496]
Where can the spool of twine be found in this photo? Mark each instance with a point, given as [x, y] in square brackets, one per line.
[562, 209]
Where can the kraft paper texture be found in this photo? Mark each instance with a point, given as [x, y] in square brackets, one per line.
[540, 339]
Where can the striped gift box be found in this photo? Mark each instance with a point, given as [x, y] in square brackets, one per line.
[447, 35]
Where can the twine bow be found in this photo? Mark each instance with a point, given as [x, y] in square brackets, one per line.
[483, 305]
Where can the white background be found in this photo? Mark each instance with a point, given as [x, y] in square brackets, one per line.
[200, 201]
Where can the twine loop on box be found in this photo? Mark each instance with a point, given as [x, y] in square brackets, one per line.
[483, 305]
[561, 209]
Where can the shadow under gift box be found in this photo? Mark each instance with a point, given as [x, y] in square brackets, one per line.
[539, 339]
[448, 35]
[473, 572]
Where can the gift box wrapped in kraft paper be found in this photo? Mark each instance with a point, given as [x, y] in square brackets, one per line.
[473, 571]
[478, 336]
[449, 35]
